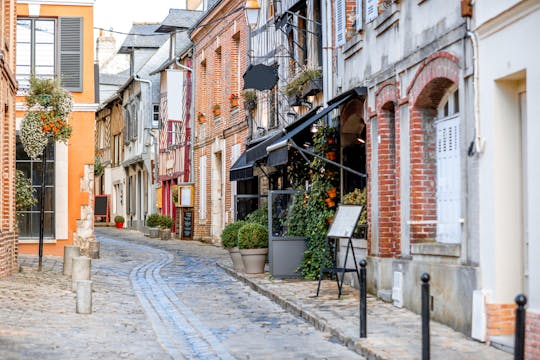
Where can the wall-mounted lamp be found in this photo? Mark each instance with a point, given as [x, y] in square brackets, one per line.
[360, 140]
[252, 9]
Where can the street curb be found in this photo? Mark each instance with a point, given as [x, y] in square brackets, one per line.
[319, 323]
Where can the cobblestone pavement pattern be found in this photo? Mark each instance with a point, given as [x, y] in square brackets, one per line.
[152, 300]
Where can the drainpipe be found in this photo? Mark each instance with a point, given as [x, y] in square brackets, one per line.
[326, 27]
[148, 126]
[477, 147]
[191, 118]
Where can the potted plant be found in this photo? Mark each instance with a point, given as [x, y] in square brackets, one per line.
[165, 224]
[229, 239]
[217, 110]
[250, 99]
[233, 98]
[119, 221]
[253, 245]
[201, 117]
[153, 222]
[308, 82]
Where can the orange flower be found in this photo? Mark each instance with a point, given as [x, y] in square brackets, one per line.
[56, 131]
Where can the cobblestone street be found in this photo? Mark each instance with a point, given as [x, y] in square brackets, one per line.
[152, 300]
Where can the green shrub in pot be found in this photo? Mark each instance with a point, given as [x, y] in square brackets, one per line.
[166, 222]
[252, 236]
[229, 236]
[153, 220]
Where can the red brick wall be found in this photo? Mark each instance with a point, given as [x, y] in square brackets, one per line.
[532, 340]
[433, 79]
[8, 224]
[501, 319]
[388, 171]
[223, 48]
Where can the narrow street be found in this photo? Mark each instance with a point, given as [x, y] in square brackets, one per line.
[152, 300]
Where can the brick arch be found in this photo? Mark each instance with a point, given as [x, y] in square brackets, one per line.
[435, 77]
[437, 67]
[387, 92]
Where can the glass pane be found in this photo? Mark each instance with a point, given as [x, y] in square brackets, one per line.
[34, 232]
[25, 168]
[24, 225]
[48, 228]
[456, 102]
[23, 31]
[23, 55]
[45, 71]
[36, 174]
[45, 55]
[44, 31]
[21, 154]
[49, 199]
[50, 153]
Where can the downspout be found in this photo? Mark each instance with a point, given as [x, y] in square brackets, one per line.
[477, 146]
[191, 118]
[148, 126]
[327, 49]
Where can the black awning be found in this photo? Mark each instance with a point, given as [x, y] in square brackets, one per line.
[279, 158]
[241, 169]
[258, 151]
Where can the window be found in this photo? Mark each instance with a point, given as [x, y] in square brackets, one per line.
[270, 12]
[359, 16]
[341, 22]
[217, 76]
[29, 222]
[155, 113]
[371, 10]
[48, 48]
[272, 107]
[202, 188]
[117, 150]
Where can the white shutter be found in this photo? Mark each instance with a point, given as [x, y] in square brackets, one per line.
[448, 181]
[71, 29]
[371, 10]
[359, 15]
[340, 22]
[202, 188]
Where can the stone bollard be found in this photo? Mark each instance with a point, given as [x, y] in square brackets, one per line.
[70, 251]
[93, 249]
[84, 297]
[80, 271]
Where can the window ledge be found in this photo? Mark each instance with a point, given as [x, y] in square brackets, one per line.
[353, 45]
[36, 241]
[387, 19]
[436, 249]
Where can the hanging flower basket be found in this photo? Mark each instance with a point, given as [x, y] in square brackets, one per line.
[47, 117]
[332, 192]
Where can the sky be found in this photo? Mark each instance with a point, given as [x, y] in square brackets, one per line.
[120, 14]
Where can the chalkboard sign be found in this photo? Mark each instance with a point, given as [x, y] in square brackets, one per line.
[345, 221]
[187, 224]
[101, 206]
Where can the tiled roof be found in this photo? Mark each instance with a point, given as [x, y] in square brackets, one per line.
[143, 35]
[179, 19]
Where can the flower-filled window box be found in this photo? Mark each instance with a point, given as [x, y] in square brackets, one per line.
[201, 117]
[217, 110]
[233, 98]
[307, 83]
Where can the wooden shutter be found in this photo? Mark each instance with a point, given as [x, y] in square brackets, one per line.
[340, 22]
[359, 15]
[71, 52]
[448, 181]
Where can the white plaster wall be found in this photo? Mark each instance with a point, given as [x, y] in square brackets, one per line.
[506, 53]
[118, 176]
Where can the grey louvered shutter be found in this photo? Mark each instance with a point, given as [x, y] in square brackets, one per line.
[340, 22]
[71, 29]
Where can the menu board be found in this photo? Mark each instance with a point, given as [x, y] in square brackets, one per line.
[187, 224]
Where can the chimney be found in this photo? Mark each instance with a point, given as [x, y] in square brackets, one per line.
[105, 47]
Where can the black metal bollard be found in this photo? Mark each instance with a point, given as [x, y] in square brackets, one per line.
[363, 299]
[519, 341]
[425, 317]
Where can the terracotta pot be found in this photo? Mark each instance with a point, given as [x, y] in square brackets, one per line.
[236, 258]
[330, 202]
[119, 225]
[254, 260]
[330, 140]
[234, 102]
[331, 155]
[202, 119]
[217, 112]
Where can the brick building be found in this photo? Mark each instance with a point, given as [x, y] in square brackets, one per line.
[8, 89]
[219, 40]
[412, 130]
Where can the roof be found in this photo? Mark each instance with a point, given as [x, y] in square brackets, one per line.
[211, 5]
[183, 44]
[143, 35]
[179, 19]
[114, 79]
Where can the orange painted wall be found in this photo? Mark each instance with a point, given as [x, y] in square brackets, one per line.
[81, 143]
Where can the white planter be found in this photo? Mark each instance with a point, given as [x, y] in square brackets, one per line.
[254, 260]
[153, 232]
[236, 259]
[165, 234]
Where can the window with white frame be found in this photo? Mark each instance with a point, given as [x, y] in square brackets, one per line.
[50, 47]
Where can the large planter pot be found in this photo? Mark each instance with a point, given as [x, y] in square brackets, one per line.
[254, 260]
[119, 225]
[165, 234]
[153, 232]
[237, 259]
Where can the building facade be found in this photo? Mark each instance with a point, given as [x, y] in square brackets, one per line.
[8, 89]
[220, 126]
[508, 168]
[62, 30]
